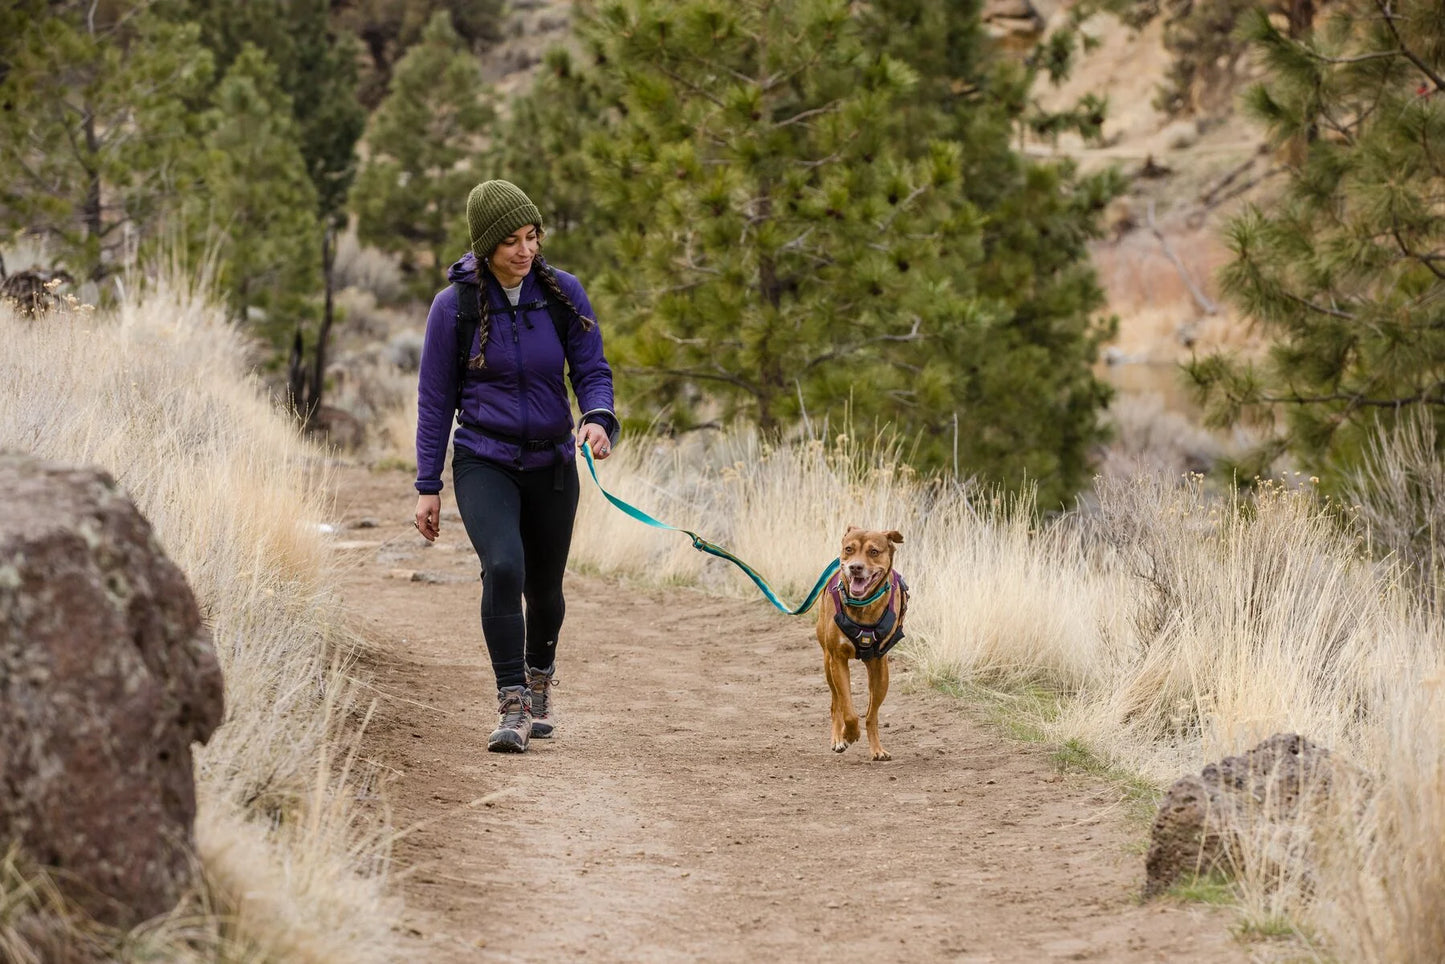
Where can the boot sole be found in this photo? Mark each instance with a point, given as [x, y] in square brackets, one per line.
[506, 746]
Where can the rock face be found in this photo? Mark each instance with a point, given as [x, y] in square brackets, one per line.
[1204, 817]
[106, 677]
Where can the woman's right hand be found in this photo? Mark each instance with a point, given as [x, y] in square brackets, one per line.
[429, 516]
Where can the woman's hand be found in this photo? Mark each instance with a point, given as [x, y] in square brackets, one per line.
[429, 516]
[592, 434]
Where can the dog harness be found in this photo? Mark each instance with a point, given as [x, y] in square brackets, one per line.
[871, 640]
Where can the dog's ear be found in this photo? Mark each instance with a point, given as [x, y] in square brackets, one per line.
[895, 536]
[850, 529]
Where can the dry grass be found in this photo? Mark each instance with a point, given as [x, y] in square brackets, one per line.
[1383, 899]
[156, 393]
[1149, 438]
[1169, 627]
[740, 493]
[1400, 492]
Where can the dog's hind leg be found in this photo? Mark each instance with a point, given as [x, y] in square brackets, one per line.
[877, 689]
[845, 721]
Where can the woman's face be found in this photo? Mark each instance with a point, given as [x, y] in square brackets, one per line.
[512, 259]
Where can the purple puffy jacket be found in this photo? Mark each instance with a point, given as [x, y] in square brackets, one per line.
[520, 394]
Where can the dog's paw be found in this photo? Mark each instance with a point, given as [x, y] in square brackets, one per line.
[850, 730]
[841, 745]
[882, 755]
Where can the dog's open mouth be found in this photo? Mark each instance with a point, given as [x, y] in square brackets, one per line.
[858, 585]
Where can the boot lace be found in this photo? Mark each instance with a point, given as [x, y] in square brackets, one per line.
[514, 712]
[540, 685]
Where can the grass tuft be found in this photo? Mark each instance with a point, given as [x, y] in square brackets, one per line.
[1215, 889]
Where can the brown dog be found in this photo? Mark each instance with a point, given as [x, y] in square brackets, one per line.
[871, 599]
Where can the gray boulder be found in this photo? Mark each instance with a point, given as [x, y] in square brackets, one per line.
[107, 676]
[1204, 818]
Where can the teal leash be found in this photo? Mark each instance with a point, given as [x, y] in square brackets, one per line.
[712, 548]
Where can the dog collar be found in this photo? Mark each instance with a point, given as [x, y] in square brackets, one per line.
[877, 594]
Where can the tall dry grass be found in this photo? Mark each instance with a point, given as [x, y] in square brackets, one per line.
[1400, 489]
[156, 392]
[1169, 626]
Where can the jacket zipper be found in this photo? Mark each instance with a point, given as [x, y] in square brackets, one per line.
[521, 387]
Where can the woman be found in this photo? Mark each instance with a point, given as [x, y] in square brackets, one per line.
[514, 466]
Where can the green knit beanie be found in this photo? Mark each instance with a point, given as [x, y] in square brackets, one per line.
[494, 210]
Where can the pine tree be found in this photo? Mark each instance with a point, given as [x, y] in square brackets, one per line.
[1346, 274]
[1025, 393]
[98, 132]
[316, 67]
[540, 143]
[389, 28]
[777, 245]
[424, 141]
[801, 220]
[257, 207]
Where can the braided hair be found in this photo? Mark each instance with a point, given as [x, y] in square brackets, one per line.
[549, 278]
[484, 326]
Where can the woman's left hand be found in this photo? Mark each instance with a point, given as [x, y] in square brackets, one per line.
[592, 434]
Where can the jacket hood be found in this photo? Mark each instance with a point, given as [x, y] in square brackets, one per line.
[463, 270]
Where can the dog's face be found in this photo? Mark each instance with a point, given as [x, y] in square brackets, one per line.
[866, 558]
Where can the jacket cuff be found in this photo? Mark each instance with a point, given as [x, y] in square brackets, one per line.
[606, 419]
[429, 486]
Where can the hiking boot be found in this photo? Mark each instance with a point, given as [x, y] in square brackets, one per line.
[515, 727]
[539, 686]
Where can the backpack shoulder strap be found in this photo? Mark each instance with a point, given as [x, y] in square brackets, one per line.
[561, 318]
[469, 319]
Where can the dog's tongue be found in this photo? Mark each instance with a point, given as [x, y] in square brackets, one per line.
[858, 585]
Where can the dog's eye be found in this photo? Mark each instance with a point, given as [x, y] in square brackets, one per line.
[873, 552]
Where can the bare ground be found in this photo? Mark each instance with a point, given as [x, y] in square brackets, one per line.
[690, 808]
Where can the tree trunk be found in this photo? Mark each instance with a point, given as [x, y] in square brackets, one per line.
[769, 367]
[328, 314]
[92, 208]
[296, 375]
[1301, 17]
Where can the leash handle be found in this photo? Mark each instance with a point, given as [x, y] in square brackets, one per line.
[712, 548]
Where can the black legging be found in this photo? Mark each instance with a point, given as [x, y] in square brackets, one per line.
[520, 524]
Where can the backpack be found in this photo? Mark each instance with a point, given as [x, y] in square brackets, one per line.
[469, 319]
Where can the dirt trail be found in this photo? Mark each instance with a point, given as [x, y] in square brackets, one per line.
[690, 809]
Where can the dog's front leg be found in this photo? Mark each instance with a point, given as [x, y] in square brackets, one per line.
[877, 689]
[845, 721]
[835, 704]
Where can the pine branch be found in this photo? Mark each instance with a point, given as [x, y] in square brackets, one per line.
[1362, 58]
[1321, 309]
[913, 335]
[1423, 398]
[1426, 260]
[902, 206]
[729, 379]
[1384, 7]
[803, 115]
[725, 69]
[689, 85]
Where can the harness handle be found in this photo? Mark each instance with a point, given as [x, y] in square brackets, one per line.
[713, 549]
